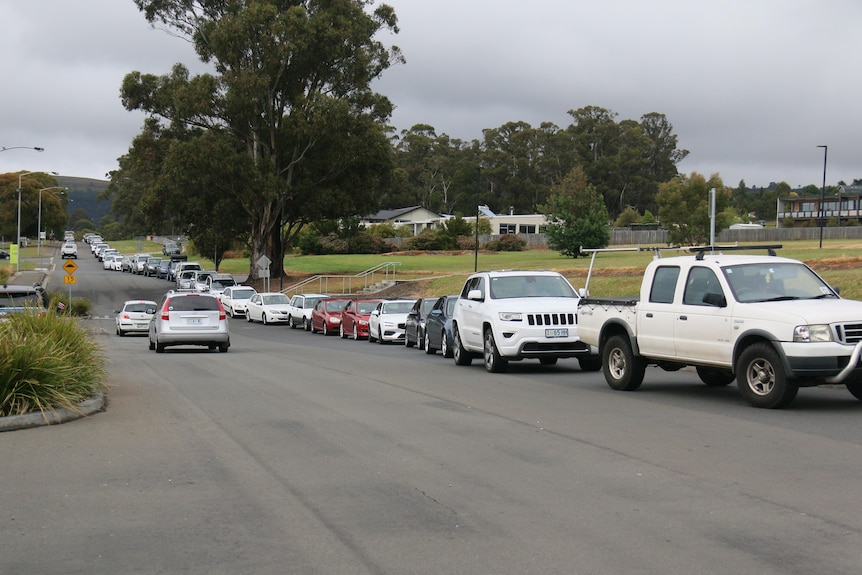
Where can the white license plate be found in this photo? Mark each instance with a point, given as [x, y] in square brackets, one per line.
[140, 325]
[562, 332]
[195, 321]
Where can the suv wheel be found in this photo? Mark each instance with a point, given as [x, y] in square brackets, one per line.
[494, 362]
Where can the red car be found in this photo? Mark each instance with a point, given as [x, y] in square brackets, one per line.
[354, 317]
[326, 315]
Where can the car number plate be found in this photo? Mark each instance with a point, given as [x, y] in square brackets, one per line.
[140, 325]
[562, 332]
[195, 321]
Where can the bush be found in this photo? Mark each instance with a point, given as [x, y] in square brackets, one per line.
[5, 274]
[426, 240]
[79, 307]
[47, 362]
[507, 243]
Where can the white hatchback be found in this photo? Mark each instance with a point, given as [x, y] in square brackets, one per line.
[135, 316]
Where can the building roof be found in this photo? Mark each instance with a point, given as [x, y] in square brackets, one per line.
[388, 215]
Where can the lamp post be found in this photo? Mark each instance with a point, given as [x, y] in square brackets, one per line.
[18, 244]
[39, 225]
[37, 148]
[823, 193]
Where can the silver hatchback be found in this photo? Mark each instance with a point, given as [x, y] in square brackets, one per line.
[189, 319]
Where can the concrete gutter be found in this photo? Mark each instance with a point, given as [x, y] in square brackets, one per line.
[37, 419]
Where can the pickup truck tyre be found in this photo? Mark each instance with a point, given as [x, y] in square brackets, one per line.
[761, 378]
[854, 386]
[623, 371]
[494, 362]
[591, 363]
[715, 377]
[461, 355]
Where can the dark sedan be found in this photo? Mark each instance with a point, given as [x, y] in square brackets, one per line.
[414, 327]
[438, 326]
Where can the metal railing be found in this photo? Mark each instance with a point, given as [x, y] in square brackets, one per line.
[345, 284]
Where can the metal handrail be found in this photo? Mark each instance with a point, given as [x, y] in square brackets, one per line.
[344, 284]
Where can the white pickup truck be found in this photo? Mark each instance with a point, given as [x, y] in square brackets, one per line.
[769, 322]
[512, 315]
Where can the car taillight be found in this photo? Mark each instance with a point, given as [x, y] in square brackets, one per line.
[221, 314]
[126, 316]
[165, 314]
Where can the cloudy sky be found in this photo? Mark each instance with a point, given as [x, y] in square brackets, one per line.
[752, 87]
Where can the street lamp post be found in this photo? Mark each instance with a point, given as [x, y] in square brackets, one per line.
[18, 244]
[823, 193]
[39, 225]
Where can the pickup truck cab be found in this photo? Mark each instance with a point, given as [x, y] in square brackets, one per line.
[507, 316]
[769, 322]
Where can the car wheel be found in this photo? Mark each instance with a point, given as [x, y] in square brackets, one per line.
[341, 333]
[211, 346]
[461, 355]
[160, 348]
[152, 345]
[421, 339]
[428, 348]
[230, 312]
[380, 337]
[324, 331]
[311, 327]
[306, 325]
[290, 322]
[444, 345]
[248, 317]
[263, 319]
[120, 332]
[407, 342]
[762, 380]
[355, 332]
[370, 337]
[494, 362]
[223, 348]
[714, 377]
[623, 371]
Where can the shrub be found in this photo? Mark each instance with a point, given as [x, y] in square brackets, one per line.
[507, 243]
[47, 362]
[79, 307]
[426, 240]
[5, 274]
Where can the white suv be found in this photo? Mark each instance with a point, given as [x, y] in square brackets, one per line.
[69, 250]
[512, 315]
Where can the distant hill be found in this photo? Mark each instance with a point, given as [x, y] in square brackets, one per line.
[82, 195]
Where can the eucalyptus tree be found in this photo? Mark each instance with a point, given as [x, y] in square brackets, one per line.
[290, 93]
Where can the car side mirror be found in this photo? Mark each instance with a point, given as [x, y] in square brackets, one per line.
[715, 299]
[375, 312]
[436, 312]
[475, 294]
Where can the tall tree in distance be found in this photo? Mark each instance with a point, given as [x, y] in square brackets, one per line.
[684, 208]
[576, 215]
[292, 92]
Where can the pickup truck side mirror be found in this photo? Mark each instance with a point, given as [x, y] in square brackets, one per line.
[475, 294]
[583, 292]
[715, 299]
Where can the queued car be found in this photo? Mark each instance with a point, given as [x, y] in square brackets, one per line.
[326, 315]
[438, 326]
[386, 322]
[127, 263]
[112, 262]
[170, 248]
[216, 283]
[301, 305]
[185, 280]
[189, 319]
[135, 316]
[414, 326]
[268, 307]
[152, 266]
[69, 249]
[162, 272]
[140, 263]
[199, 281]
[354, 317]
[234, 299]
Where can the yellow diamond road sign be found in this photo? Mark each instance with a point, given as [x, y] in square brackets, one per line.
[70, 267]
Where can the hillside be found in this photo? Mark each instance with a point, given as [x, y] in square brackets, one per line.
[82, 195]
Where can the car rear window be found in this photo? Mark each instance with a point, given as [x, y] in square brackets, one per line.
[193, 303]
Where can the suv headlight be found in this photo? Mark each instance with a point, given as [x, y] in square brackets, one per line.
[812, 333]
[510, 316]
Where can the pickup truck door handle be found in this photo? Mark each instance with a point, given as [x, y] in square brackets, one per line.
[683, 317]
[649, 314]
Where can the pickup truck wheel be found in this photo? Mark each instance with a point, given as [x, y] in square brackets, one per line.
[591, 363]
[715, 377]
[548, 360]
[461, 355]
[854, 386]
[762, 379]
[623, 371]
[494, 362]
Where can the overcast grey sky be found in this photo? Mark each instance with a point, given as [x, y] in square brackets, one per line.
[752, 87]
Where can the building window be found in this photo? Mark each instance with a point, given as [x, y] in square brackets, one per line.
[527, 229]
[507, 229]
[807, 207]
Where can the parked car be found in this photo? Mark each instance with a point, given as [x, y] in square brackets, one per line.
[140, 263]
[170, 249]
[386, 322]
[164, 267]
[135, 316]
[301, 305]
[326, 315]
[19, 298]
[69, 250]
[354, 317]
[152, 266]
[187, 265]
[112, 261]
[127, 264]
[216, 283]
[438, 326]
[414, 326]
[4, 255]
[189, 319]
[234, 299]
[268, 307]
[185, 280]
[199, 281]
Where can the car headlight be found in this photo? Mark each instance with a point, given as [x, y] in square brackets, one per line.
[812, 333]
[510, 316]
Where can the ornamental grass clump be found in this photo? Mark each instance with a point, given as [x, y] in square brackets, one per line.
[47, 362]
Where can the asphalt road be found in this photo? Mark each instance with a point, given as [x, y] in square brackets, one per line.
[299, 453]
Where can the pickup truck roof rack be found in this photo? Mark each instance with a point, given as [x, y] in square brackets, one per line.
[701, 250]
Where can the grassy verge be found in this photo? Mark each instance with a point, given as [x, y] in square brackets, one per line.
[46, 362]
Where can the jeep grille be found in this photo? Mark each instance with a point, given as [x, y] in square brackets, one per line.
[569, 318]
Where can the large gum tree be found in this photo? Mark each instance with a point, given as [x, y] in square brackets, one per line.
[289, 104]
